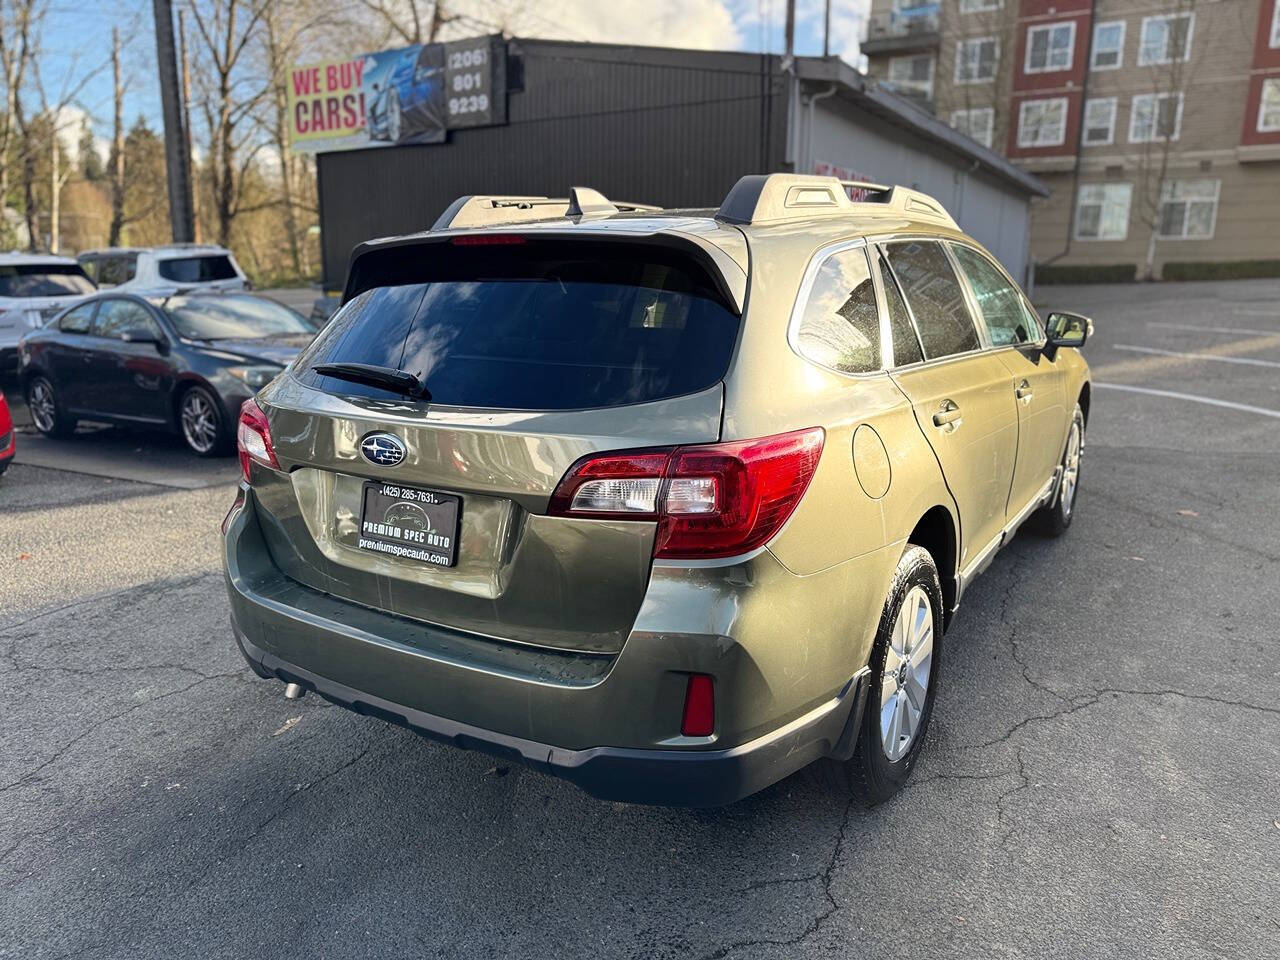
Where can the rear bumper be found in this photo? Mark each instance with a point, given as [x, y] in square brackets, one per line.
[607, 722]
[686, 778]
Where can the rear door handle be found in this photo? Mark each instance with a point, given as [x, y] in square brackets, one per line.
[1024, 391]
[948, 417]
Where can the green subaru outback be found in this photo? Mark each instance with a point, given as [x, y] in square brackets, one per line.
[670, 503]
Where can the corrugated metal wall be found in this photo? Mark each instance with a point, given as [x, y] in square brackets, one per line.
[675, 128]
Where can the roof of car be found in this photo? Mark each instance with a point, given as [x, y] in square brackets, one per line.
[15, 258]
[177, 249]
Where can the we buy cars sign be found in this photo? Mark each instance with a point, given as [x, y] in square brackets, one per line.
[408, 95]
[326, 100]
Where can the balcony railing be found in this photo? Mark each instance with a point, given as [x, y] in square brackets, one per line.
[912, 28]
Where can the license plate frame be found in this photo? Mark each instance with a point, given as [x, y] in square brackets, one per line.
[407, 522]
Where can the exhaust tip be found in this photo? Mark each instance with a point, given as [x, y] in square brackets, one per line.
[293, 691]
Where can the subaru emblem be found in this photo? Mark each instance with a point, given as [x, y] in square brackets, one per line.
[382, 449]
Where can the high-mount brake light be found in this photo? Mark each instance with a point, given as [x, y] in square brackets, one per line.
[487, 240]
[253, 439]
[711, 500]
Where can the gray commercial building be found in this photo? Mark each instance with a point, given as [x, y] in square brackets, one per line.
[676, 128]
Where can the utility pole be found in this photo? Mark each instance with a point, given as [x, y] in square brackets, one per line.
[177, 159]
[826, 29]
[186, 124]
[117, 144]
[791, 29]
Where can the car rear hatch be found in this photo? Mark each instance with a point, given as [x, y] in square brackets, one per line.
[536, 350]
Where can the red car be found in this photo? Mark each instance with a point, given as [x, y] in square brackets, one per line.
[8, 442]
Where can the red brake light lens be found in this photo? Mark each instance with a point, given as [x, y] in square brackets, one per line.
[699, 718]
[713, 500]
[253, 439]
[487, 240]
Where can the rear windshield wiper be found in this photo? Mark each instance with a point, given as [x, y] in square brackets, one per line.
[371, 375]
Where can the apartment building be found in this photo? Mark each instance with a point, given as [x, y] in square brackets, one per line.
[1155, 123]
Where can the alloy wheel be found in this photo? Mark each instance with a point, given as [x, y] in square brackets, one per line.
[904, 682]
[44, 412]
[199, 422]
[1071, 470]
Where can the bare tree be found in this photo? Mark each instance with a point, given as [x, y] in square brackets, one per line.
[225, 28]
[17, 20]
[1171, 76]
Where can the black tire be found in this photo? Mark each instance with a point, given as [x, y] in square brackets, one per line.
[210, 438]
[48, 415]
[1054, 519]
[870, 775]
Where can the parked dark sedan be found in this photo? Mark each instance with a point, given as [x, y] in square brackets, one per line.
[182, 362]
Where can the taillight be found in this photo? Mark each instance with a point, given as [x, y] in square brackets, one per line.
[253, 439]
[713, 500]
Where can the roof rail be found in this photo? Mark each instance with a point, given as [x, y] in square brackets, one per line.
[775, 197]
[483, 211]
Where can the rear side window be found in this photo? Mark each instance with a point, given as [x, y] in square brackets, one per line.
[539, 325]
[935, 297]
[840, 326]
[77, 319]
[113, 271]
[198, 269]
[999, 301]
[906, 345]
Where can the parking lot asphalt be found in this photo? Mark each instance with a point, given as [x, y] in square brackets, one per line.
[1102, 777]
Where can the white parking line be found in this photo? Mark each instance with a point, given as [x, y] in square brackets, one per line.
[1199, 356]
[1247, 331]
[1173, 394]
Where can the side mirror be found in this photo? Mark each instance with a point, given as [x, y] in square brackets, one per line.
[139, 335]
[145, 335]
[1065, 330]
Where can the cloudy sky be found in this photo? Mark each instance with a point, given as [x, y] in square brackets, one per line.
[77, 37]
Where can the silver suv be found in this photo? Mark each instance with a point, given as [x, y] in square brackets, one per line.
[188, 266]
[33, 288]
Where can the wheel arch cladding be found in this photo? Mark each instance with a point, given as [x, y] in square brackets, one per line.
[936, 532]
[1085, 391]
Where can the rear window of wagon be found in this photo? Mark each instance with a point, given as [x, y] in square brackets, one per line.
[539, 325]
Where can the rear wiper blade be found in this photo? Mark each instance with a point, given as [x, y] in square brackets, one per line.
[372, 375]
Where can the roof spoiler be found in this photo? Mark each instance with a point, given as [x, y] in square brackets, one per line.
[782, 196]
[483, 211]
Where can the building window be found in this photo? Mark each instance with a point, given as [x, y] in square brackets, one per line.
[1042, 123]
[980, 6]
[976, 122]
[1050, 48]
[913, 74]
[1155, 116]
[977, 60]
[1102, 212]
[1108, 45]
[1166, 38]
[1275, 25]
[1188, 209]
[1100, 121]
[1269, 108]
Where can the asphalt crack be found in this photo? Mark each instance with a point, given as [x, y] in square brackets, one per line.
[28, 777]
[826, 875]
